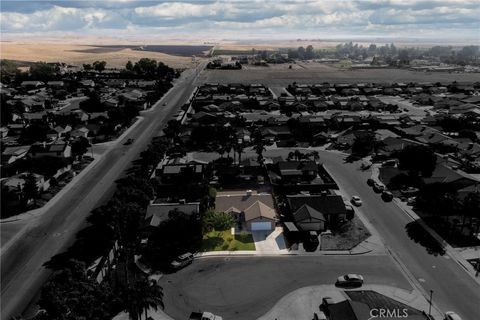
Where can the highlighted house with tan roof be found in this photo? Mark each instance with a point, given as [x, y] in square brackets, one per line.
[255, 210]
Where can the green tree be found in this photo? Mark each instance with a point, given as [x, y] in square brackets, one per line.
[30, 188]
[363, 144]
[417, 158]
[129, 65]
[42, 71]
[80, 147]
[69, 294]
[214, 220]
[141, 296]
[87, 67]
[99, 65]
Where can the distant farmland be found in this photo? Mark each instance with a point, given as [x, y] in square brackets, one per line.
[175, 50]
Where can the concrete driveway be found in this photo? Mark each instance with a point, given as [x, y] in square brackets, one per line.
[269, 241]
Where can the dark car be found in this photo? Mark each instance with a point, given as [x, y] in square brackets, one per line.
[129, 141]
[310, 242]
[387, 196]
[370, 182]
[378, 188]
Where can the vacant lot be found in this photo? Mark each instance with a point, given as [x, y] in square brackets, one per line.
[310, 73]
[116, 56]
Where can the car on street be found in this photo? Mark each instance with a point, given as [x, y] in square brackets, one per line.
[370, 182]
[350, 280]
[378, 188]
[450, 315]
[356, 201]
[182, 261]
[411, 201]
[204, 316]
[387, 196]
[129, 141]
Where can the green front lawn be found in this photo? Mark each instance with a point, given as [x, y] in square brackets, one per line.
[225, 241]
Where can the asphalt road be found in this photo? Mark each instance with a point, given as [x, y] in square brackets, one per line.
[22, 273]
[453, 289]
[245, 288]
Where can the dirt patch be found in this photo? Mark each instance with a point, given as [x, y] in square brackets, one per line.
[347, 237]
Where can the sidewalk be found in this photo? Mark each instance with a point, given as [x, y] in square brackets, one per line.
[458, 255]
[303, 303]
[371, 245]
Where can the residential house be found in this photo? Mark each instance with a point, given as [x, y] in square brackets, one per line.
[159, 211]
[59, 149]
[311, 210]
[254, 210]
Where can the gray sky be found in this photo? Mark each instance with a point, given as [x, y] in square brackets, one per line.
[439, 19]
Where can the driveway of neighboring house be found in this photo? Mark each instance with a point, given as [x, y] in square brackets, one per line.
[269, 241]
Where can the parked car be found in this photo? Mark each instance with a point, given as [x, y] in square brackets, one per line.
[350, 280]
[378, 188]
[182, 261]
[410, 191]
[356, 201]
[129, 141]
[204, 316]
[450, 315]
[387, 196]
[370, 182]
[350, 211]
[311, 242]
[411, 201]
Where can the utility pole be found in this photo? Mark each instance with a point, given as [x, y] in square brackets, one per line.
[430, 306]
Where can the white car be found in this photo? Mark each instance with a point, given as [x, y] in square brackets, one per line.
[356, 201]
[350, 280]
[450, 315]
[182, 261]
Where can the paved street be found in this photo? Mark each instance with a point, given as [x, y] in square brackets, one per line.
[438, 273]
[22, 273]
[248, 287]
[453, 288]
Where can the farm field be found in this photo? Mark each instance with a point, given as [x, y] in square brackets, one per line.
[115, 55]
[310, 73]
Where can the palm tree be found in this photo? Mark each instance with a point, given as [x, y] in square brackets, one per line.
[142, 296]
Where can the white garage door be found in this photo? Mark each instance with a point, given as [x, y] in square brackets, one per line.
[261, 226]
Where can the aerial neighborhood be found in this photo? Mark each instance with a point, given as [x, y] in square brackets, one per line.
[337, 183]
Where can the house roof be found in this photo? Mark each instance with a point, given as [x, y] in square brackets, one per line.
[296, 167]
[159, 212]
[257, 210]
[327, 205]
[241, 202]
[349, 310]
[306, 213]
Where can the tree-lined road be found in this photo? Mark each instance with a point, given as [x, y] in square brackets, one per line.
[22, 273]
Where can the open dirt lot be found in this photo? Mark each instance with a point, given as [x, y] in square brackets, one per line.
[310, 73]
[76, 54]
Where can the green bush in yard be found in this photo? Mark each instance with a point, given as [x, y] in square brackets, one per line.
[214, 220]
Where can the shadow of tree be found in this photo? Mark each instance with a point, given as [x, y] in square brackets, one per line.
[212, 243]
[417, 233]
